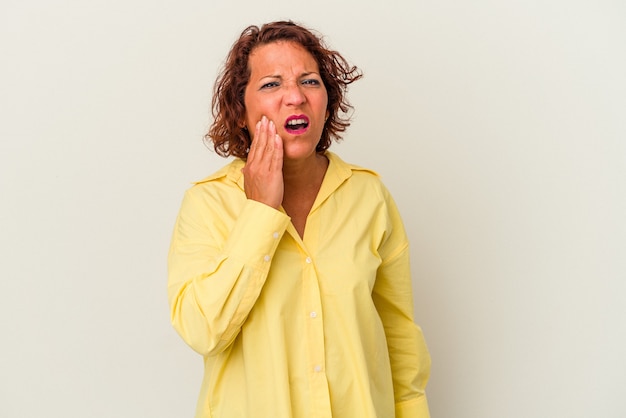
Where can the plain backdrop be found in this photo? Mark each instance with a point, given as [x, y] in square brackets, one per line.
[499, 127]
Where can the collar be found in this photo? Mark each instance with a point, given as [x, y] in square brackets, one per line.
[338, 171]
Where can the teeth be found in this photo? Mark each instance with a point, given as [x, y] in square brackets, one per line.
[296, 122]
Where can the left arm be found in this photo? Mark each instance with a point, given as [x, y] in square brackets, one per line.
[393, 297]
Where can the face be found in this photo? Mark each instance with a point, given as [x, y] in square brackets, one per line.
[285, 86]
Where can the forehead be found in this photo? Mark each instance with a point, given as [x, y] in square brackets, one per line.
[281, 55]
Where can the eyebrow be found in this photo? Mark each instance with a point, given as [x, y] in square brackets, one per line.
[280, 77]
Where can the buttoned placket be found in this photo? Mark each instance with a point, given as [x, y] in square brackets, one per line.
[314, 331]
[313, 315]
[315, 338]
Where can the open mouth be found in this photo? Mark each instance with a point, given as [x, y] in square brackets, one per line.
[297, 124]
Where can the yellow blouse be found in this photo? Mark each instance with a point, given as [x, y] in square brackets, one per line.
[302, 328]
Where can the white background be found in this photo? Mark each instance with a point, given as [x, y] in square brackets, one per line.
[499, 126]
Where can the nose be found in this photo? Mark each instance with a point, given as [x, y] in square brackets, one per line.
[294, 96]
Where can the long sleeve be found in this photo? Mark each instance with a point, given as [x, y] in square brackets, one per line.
[310, 326]
[393, 297]
[218, 261]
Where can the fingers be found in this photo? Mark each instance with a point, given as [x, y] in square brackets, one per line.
[258, 140]
[269, 137]
[263, 176]
[265, 144]
[277, 154]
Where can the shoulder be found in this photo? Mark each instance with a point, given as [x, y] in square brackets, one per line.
[224, 185]
[351, 173]
[231, 171]
[357, 176]
[348, 168]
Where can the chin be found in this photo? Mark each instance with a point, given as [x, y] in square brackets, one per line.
[298, 152]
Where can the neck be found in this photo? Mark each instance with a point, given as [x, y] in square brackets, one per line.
[300, 173]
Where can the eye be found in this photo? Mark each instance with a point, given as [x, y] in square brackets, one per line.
[269, 85]
[311, 82]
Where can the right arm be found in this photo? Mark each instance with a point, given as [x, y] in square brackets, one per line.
[217, 270]
[214, 280]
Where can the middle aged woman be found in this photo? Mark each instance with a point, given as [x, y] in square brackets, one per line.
[289, 268]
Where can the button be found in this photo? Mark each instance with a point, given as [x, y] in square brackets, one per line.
[275, 235]
[317, 368]
[267, 258]
[308, 260]
[313, 314]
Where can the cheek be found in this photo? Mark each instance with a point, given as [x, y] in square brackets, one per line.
[324, 105]
[254, 109]
[249, 110]
[249, 123]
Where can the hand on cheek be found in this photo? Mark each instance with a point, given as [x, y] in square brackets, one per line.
[263, 172]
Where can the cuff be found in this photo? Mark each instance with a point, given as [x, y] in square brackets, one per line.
[256, 234]
[413, 408]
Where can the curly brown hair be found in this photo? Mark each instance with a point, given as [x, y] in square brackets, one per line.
[228, 132]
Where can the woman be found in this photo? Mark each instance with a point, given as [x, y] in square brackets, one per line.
[288, 268]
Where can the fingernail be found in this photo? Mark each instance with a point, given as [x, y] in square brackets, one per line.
[264, 119]
[258, 125]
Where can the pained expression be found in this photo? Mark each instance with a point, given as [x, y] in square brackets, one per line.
[285, 86]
